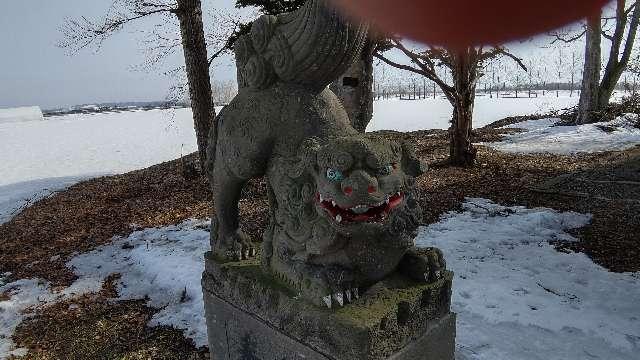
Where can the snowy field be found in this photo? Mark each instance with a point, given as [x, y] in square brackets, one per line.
[516, 297]
[40, 157]
[411, 115]
[21, 114]
[104, 143]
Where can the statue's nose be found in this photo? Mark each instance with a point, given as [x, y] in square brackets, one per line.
[359, 182]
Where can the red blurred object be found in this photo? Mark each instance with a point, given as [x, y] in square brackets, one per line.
[460, 23]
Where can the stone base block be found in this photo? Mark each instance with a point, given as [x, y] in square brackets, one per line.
[253, 316]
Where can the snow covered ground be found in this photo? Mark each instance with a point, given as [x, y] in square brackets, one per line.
[78, 146]
[542, 137]
[516, 297]
[103, 143]
[55, 153]
[411, 115]
[163, 265]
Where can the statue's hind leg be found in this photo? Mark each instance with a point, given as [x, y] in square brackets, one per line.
[227, 240]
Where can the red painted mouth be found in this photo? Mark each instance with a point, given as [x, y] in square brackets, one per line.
[361, 213]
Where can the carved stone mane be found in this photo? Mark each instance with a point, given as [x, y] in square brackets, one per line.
[311, 47]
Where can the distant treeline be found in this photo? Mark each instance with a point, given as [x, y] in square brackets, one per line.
[114, 107]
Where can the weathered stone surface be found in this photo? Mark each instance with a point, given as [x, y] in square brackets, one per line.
[342, 210]
[252, 315]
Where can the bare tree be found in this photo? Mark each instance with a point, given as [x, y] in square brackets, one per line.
[619, 54]
[589, 95]
[465, 67]
[81, 33]
[224, 91]
[596, 93]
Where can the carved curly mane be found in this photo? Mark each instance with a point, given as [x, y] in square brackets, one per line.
[310, 47]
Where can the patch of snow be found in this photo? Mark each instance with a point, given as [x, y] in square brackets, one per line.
[163, 265]
[23, 294]
[542, 137]
[21, 114]
[518, 298]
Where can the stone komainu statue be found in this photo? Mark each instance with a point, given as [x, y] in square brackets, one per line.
[342, 213]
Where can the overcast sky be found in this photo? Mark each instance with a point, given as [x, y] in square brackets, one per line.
[33, 71]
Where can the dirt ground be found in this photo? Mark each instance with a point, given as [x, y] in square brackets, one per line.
[38, 241]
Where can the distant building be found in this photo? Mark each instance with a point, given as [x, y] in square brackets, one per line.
[21, 114]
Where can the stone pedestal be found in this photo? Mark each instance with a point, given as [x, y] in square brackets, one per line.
[253, 316]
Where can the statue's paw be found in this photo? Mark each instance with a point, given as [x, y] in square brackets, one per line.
[327, 290]
[247, 250]
[424, 265]
[236, 246]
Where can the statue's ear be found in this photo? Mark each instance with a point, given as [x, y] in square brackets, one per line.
[307, 157]
[410, 162]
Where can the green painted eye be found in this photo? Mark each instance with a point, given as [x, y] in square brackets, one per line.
[386, 170]
[334, 175]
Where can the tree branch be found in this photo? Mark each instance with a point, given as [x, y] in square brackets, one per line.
[81, 33]
[564, 39]
[514, 58]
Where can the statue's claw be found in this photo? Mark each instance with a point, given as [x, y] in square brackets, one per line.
[339, 298]
[348, 295]
[327, 300]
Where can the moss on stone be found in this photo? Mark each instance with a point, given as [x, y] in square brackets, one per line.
[253, 270]
[373, 310]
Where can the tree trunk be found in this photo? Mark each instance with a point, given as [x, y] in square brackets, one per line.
[588, 104]
[617, 64]
[197, 67]
[354, 88]
[461, 150]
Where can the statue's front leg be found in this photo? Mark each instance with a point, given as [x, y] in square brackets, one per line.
[424, 265]
[227, 240]
[324, 286]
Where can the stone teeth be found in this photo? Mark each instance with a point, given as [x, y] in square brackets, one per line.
[327, 300]
[386, 200]
[321, 199]
[333, 203]
[338, 218]
[339, 298]
[348, 294]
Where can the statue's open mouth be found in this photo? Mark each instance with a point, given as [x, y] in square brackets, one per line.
[361, 213]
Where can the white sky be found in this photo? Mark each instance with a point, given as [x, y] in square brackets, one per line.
[33, 71]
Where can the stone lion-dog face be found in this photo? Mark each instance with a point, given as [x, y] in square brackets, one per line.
[343, 216]
[360, 183]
